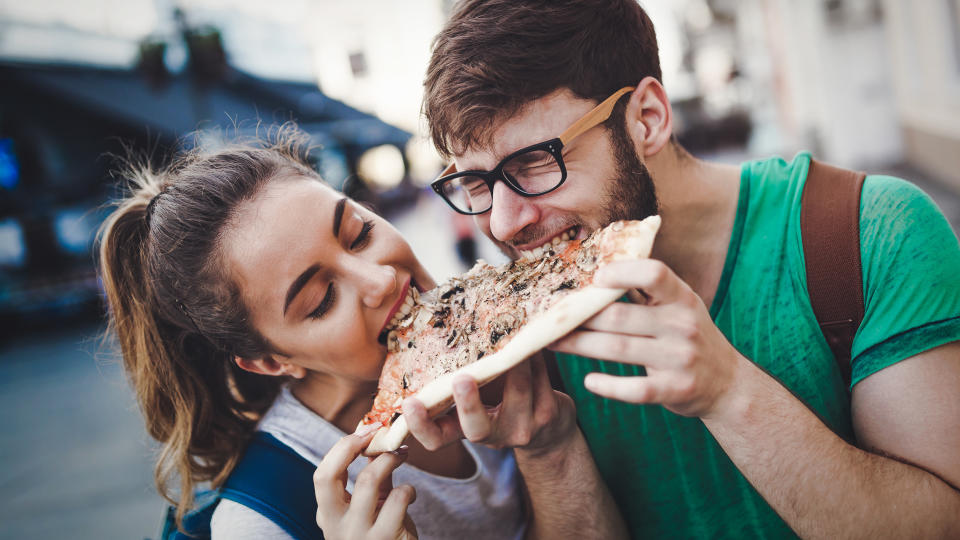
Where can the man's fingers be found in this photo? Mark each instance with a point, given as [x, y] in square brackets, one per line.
[663, 321]
[518, 391]
[512, 425]
[539, 378]
[629, 389]
[651, 276]
[367, 488]
[330, 478]
[432, 434]
[630, 319]
[391, 519]
[474, 420]
[545, 401]
[621, 348]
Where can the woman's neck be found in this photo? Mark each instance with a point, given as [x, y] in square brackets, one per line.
[340, 402]
[344, 403]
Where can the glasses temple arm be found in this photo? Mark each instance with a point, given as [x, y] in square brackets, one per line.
[599, 114]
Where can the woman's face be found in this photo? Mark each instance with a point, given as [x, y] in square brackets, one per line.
[321, 276]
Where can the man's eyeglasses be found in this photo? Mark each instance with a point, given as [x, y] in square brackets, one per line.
[531, 171]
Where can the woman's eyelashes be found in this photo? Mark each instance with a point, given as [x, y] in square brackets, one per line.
[360, 242]
[326, 303]
[363, 238]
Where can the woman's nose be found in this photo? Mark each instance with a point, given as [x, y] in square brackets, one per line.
[377, 282]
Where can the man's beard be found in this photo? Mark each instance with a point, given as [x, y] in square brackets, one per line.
[630, 194]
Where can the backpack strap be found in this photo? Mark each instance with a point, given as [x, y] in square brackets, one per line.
[271, 479]
[830, 229]
[277, 482]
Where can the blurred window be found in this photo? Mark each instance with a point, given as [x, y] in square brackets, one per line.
[9, 167]
[358, 64]
[382, 166]
[75, 229]
[332, 165]
[953, 9]
[13, 251]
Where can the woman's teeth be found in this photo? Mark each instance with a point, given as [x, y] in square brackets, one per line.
[554, 242]
[405, 308]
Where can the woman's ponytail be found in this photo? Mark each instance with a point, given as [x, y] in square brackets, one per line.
[194, 398]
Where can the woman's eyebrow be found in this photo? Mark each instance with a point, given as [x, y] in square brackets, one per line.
[338, 216]
[298, 285]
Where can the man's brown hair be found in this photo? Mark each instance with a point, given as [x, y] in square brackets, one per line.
[495, 56]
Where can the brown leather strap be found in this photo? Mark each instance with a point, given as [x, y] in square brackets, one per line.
[830, 228]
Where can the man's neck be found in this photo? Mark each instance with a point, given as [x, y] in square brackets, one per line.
[698, 204]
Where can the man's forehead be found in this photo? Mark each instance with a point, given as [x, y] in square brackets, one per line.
[537, 121]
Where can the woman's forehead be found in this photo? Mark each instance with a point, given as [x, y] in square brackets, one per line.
[281, 207]
[275, 234]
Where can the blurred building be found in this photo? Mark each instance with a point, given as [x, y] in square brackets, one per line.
[865, 84]
[861, 83]
[924, 58]
[61, 125]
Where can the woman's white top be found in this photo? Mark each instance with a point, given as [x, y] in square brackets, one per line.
[489, 504]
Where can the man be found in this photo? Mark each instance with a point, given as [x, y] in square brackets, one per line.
[712, 404]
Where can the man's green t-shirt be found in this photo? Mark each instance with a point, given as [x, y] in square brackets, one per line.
[668, 475]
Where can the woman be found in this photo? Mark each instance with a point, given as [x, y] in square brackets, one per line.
[246, 294]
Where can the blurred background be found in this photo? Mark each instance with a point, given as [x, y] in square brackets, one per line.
[865, 84]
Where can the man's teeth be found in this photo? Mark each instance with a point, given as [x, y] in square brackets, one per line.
[538, 252]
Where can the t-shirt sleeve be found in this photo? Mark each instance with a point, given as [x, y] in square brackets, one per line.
[234, 521]
[911, 273]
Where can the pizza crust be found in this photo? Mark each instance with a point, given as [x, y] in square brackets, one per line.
[562, 318]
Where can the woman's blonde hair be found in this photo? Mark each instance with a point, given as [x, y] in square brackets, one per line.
[176, 313]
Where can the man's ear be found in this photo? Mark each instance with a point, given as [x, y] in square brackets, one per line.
[268, 365]
[649, 117]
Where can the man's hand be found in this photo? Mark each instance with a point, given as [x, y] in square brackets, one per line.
[531, 416]
[690, 365]
[566, 497]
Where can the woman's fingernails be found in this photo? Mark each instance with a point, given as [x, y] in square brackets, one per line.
[366, 429]
[402, 451]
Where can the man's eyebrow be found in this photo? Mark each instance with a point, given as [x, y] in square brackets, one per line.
[338, 216]
[298, 285]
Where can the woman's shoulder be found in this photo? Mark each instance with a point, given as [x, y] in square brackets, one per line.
[232, 520]
[298, 427]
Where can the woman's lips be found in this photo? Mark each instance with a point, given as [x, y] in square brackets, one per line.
[396, 305]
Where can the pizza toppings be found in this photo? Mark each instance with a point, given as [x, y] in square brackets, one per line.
[490, 319]
[475, 315]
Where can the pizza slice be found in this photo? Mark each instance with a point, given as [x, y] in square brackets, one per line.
[490, 319]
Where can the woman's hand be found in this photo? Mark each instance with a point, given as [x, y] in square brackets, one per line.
[375, 509]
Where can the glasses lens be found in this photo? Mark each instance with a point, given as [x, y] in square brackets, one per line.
[468, 193]
[535, 172]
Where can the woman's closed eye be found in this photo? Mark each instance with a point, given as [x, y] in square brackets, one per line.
[363, 238]
[325, 304]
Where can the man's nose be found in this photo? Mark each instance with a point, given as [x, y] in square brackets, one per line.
[376, 282]
[511, 212]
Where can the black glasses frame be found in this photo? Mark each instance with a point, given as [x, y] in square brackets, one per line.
[553, 146]
[586, 122]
